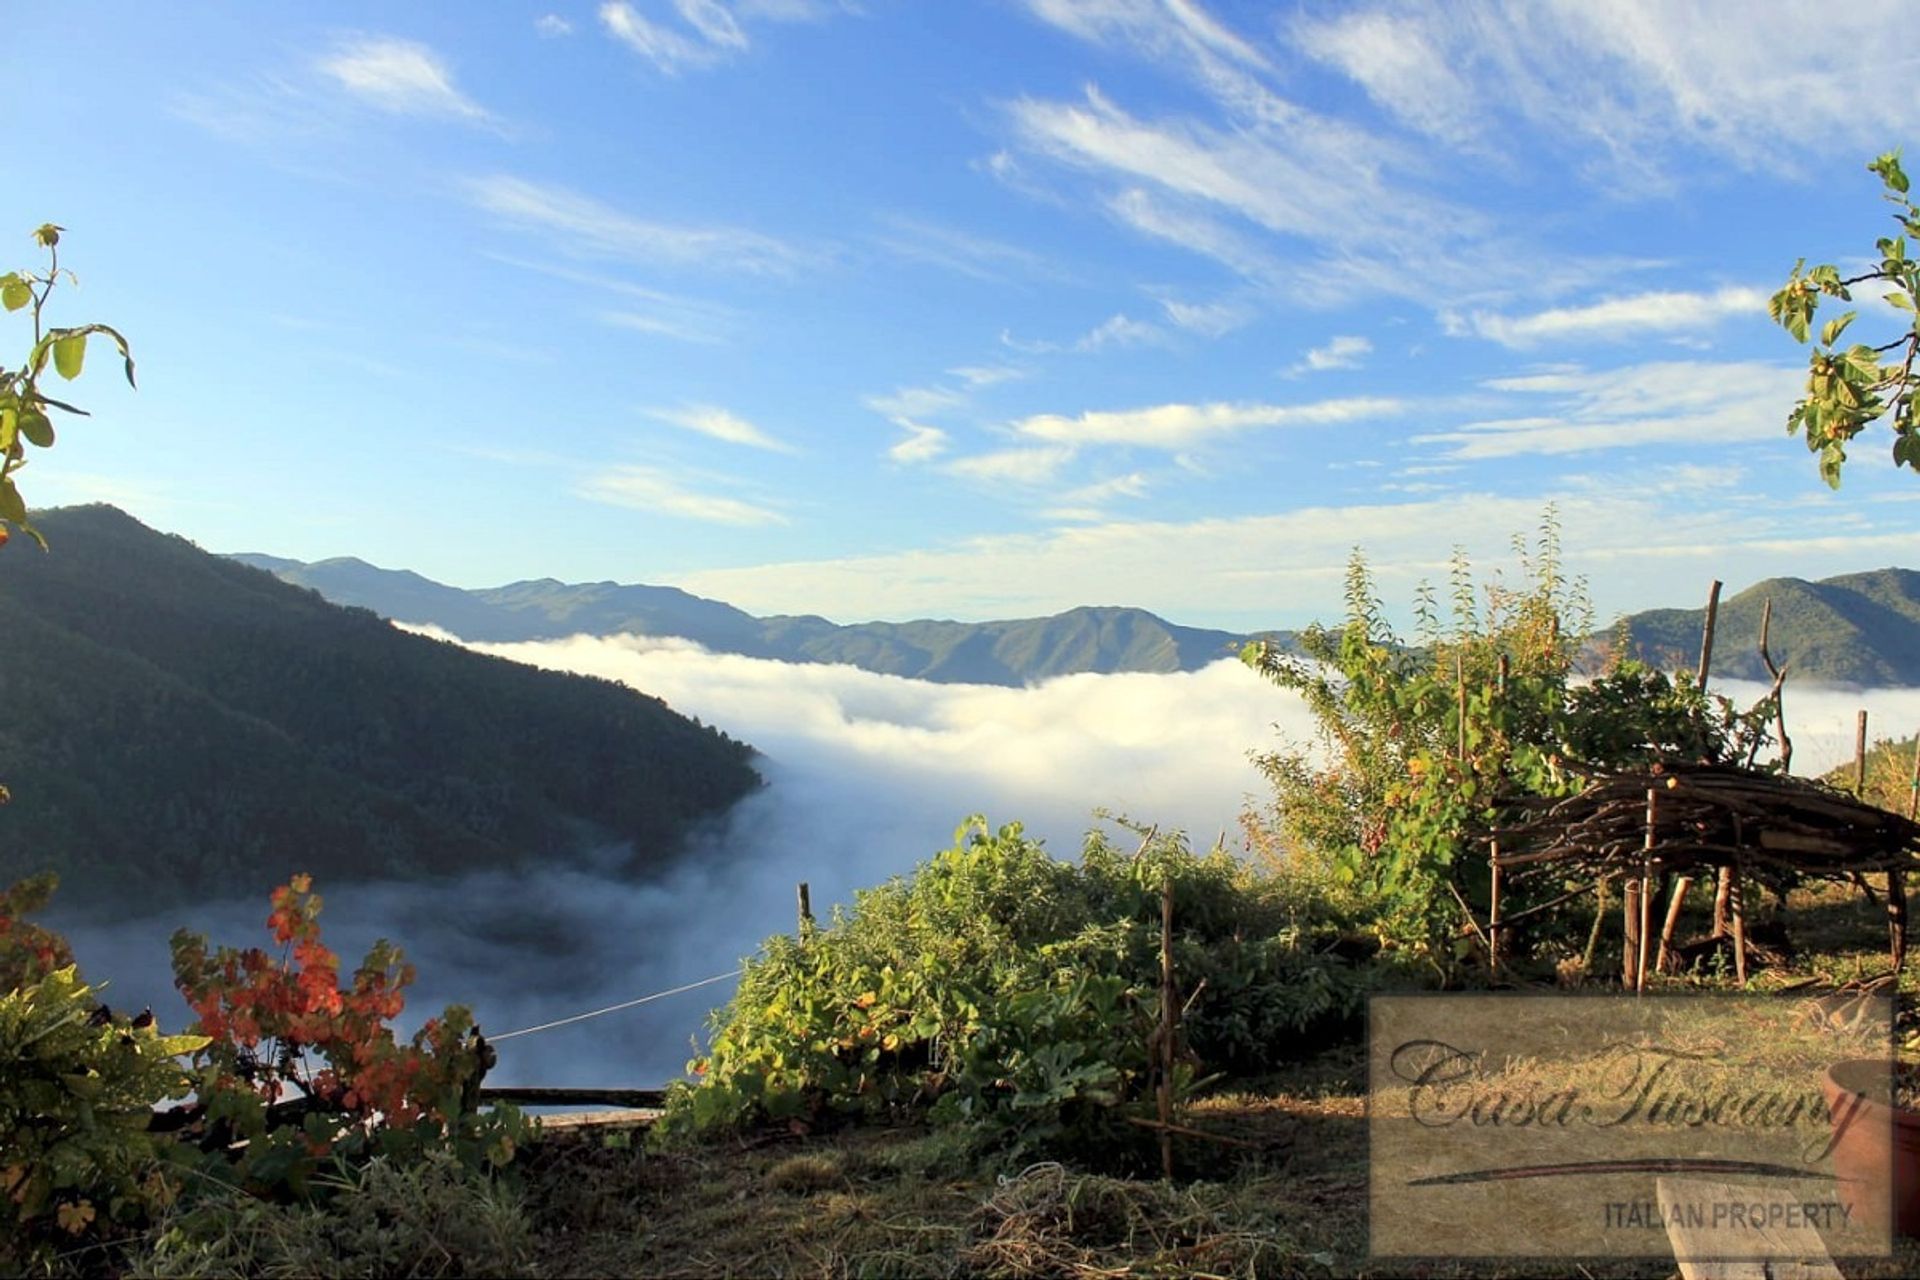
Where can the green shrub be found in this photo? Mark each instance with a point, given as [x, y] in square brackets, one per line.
[998, 983]
[78, 1085]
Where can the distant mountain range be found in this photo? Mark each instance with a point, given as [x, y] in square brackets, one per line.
[177, 724]
[1861, 628]
[1002, 653]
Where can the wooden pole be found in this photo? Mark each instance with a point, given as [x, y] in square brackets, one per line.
[1593, 934]
[1739, 906]
[1166, 1028]
[1860, 756]
[1913, 788]
[1706, 633]
[1493, 908]
[806, 909]
[1680, 888]
[1779, 676]
[1630, 926]
[1645, 922]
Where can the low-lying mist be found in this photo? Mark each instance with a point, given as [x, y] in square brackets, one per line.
[866, 775]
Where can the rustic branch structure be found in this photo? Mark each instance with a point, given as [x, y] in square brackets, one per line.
[1696, 821]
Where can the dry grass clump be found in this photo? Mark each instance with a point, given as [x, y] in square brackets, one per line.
[805, 1174]
[1050, 1221]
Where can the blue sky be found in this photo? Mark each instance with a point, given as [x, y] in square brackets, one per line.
[987, 309]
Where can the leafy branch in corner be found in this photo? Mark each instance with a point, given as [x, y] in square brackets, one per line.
[23, 405]
[1851, 388]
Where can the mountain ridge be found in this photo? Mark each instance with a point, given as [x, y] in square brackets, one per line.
[1859, 628]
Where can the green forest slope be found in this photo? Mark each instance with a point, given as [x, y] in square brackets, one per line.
[1858, 628]
[178, 723]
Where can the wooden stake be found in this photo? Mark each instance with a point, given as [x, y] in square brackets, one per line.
[1860, 756]
[1493, 909]
[1897, 917]
[1630, 924]
[806, 909]
[1645, 922]
[1166, 1028]
[1680, 888]
[1599, 922]
[1913, 788]
[1739, 907]
[1706, 633]
[1779, 675]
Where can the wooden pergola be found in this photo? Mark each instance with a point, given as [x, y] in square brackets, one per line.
[1678, 823]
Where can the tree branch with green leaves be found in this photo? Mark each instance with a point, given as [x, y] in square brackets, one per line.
[1849, 389]
[24, 406]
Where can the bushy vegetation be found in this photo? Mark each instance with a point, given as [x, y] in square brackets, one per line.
[1426, 745]
[78, 1085]
[1000, 985]
[289, 1090]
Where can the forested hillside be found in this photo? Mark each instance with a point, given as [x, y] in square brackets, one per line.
[1013, 652]
[177, 723]
[1858, 628]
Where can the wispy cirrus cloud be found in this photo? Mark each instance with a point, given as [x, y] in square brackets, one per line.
[403, 77]
[582, 225]
[1181, 426]
[644, 310]
[1660, 312]
[1694, 404]
[718, 424]
[1629, 88]
[701, 33]
[966, 253]
[651, 489]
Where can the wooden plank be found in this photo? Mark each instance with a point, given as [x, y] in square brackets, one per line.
[1770, 1250]
[598, 1120]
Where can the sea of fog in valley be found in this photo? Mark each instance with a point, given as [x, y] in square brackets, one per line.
[866, 775]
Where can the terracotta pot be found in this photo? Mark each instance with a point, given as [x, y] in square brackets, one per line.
[1877, 1157]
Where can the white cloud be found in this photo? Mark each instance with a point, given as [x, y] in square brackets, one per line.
[1343, 351]
[1613, 318]
[1088, 503]
[552, 25]
[923, 443]
[707, 33]
[916, 402]
[1021, 466]
[1176, 426]
[1120, 330]
[667, 48]
[719, 424]
[1209, 319]
[987, 375]
[1637, 84]
[400, 76]
[1684, 403]
[582, 224]
[650, 489]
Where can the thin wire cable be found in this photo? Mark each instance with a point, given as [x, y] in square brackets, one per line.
[615, 1008]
